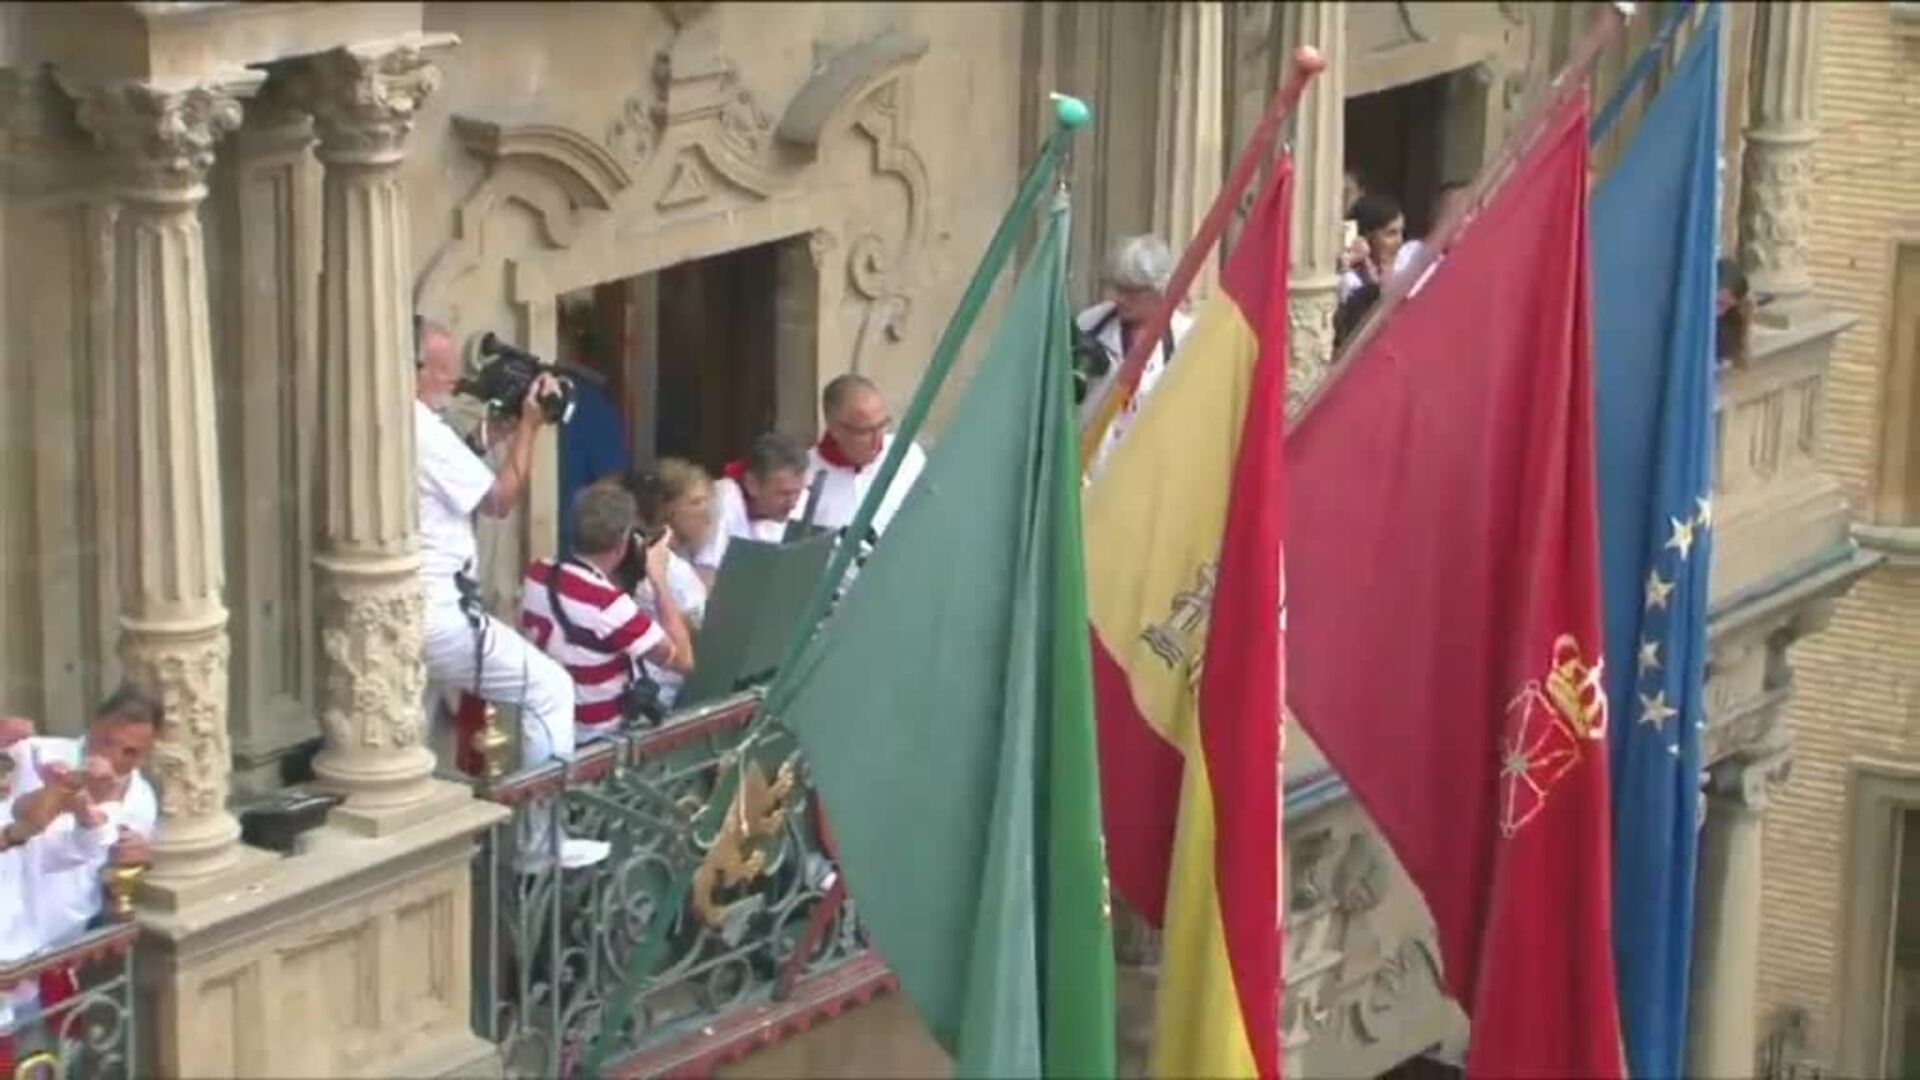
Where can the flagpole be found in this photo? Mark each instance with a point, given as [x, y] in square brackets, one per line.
[1307, 62]
[1607, 24]
[1070, 115]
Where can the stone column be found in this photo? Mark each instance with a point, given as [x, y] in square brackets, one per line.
[1192, 159]
[1319, 142]
[363, 99]
[1776, 182]
[1723, 1040]
[159, 138]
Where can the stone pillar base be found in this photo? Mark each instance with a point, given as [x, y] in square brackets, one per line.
[246, 868]
[351, 958]
[440, 797]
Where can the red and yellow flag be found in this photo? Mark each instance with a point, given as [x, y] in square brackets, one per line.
[1184, 593]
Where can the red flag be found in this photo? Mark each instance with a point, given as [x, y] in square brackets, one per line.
[1445, 615]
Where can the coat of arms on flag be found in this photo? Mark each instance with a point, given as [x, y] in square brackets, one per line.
[1548, 724]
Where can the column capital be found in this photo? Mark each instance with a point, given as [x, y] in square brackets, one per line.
[1751, 782]
[364, 97]
[160, 134]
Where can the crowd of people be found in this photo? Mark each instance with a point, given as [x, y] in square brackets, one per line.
[607, 631]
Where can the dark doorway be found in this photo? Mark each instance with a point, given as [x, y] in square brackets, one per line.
[703, 356]
[1410, 140]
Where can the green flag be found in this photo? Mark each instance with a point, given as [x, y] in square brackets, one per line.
[947, 716]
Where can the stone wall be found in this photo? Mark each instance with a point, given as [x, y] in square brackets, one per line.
[1858, 695]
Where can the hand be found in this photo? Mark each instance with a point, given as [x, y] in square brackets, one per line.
[61, 777]
[89, 814]
[102, 782]
[531, 414]
[130, 850]
[1355, 255]
[13, 729]
[657, 555]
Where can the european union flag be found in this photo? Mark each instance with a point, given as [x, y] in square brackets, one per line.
[1654, 220]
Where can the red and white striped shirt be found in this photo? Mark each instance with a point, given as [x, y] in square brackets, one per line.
[613, 633]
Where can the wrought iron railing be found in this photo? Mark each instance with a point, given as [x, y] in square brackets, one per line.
[87, 1032]
[763, 930]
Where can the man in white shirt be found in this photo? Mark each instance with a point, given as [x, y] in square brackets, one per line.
[455, 484]
[844, 462]
[575, 611]
[74, 805]
[1138, 271]
[756, 498]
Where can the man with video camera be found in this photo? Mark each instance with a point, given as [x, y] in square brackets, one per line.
[465, 648]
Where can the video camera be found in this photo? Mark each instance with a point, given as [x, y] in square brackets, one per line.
[1090, 363]
[508, 375]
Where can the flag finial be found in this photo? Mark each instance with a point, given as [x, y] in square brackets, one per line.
[1071, 111]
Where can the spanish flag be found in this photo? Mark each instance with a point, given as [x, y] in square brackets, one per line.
[1185, 593]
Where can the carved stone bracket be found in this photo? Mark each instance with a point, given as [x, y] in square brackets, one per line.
[1309, 345]
[160, 135]
[364, 97]
[1751, 782]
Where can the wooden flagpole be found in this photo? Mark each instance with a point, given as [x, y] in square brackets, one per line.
[1307, 62]
[1606, 26]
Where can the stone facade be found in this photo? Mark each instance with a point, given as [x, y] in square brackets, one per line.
[1854, 719]
[219, 216]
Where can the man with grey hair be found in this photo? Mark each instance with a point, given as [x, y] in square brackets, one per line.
[1136, 280]
[465, 648]
[843, 463]
[580, 612]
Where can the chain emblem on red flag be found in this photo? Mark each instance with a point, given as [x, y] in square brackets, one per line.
[1548, 721]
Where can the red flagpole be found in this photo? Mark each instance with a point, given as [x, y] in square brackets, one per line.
[1606, 26]
[1307, 62]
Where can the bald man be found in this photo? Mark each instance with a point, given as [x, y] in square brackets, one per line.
[859, 434]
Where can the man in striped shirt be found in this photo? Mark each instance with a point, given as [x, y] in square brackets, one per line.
[576, 612]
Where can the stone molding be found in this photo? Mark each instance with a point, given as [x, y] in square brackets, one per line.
[364, 98]
[159, 136]
[1776, 188]
[1751, 782]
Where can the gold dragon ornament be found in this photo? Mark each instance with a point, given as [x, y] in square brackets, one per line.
[738, 853]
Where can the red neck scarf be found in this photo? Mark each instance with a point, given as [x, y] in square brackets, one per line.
[831, 453]
[736, 471]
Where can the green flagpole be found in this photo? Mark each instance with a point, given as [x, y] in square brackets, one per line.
[1070, 114]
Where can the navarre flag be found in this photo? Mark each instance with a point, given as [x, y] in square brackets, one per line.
[946, 711]
[1445, 626]
[1185, 591]
[1654, 224]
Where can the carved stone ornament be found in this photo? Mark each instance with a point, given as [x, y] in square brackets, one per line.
[370, 634]
[191, 758]
[364, 98]
[1776, 207]
[1309, 345]
[161, 136]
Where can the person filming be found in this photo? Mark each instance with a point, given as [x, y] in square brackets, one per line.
[466, 648]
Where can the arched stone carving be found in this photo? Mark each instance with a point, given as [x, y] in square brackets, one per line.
[585, 170]
[840, 81]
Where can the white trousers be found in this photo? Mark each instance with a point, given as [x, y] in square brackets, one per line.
[512, 672]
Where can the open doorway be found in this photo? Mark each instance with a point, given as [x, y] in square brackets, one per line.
[1409, 141]
[703, 356]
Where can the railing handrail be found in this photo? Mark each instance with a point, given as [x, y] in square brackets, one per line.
[110, 940]
[600, 755]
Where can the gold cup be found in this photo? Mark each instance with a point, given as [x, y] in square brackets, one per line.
[122, 881]
[491, 742]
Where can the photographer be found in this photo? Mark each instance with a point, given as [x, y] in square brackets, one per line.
[460, 636]
[581, 610]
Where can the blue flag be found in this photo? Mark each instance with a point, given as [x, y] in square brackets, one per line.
[1654, 222]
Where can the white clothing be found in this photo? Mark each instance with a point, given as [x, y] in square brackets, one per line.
[690, 596]
[65, 885]
[1350, 280]
[731, 519]
[1103, 323]
[844, 489]
[512, 672]
[453, 483]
